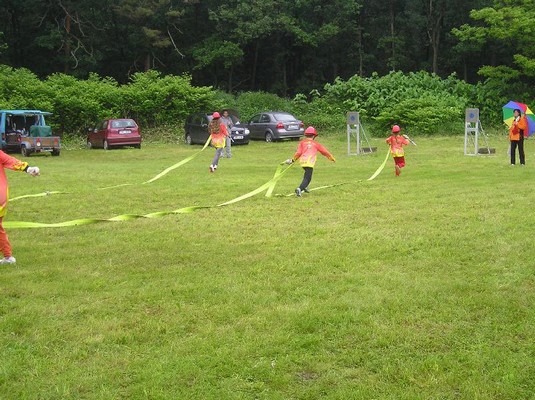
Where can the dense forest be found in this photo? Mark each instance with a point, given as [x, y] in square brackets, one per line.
[279, 46]
[416, 62]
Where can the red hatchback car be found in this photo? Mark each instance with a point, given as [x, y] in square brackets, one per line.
[115, 133]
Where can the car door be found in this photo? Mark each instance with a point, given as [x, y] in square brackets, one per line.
[254, 127]
[265, 124]
[199, 128]
[92, 136]
[100, 136]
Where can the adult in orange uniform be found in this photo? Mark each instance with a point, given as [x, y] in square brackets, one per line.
[517, 132]
[306, 154]
[396, 142]
[9, 162]
[218, 134]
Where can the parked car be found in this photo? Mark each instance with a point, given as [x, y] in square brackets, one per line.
[26, 131]
[275, 125]
[196, 129]
[115, 133]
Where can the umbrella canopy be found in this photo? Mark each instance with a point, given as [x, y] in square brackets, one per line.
[508, 110]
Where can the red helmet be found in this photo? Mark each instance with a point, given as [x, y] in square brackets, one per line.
[216, 115]
[396, 129]
[311, 131]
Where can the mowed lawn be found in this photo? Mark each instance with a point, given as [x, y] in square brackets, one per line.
[417, 287]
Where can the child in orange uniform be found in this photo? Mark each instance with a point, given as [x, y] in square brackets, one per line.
[9, 162]
[306, 153]
[396, 142]
[218, 133]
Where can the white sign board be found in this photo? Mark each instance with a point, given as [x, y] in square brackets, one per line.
[353, 118]
[472, 115]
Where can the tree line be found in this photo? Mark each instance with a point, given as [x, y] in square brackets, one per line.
[278, 46]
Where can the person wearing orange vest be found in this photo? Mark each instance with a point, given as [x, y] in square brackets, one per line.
[517, 132]
[218, 134]
[396, 142]
[12, 163]
[306, 154]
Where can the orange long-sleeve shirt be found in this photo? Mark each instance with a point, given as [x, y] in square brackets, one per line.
[12, 163]
[307, 150]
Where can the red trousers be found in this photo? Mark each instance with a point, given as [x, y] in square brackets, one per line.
[399, 161]
[5, 246]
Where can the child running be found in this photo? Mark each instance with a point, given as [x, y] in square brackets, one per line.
[9, 162]
[306, 153]
[218, 133]
[396, 142]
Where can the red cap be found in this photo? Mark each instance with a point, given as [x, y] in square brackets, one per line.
[311, 131]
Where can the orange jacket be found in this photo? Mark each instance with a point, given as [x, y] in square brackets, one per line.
[307, 150]
[520, 124]
[396, 143]
[9, 162]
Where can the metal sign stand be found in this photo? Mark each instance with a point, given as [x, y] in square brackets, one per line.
[355, 134]
[472, 131]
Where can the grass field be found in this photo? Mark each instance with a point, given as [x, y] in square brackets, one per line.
[418, 287]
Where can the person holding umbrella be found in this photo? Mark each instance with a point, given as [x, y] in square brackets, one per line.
[517, 132]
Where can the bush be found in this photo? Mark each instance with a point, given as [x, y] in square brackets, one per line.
[420, 101]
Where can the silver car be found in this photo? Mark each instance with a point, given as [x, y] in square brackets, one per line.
[275, 125]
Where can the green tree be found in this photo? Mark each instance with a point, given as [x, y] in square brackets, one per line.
[506, 32]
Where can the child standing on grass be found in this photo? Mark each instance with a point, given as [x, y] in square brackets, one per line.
[306, 153]
[218, 133]
[9, 162]
[396, 142]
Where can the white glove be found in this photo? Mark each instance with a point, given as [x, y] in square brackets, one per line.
[289, 161]
[33, 171]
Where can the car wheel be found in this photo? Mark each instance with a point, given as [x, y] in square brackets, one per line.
[138, 146]
[188, 139]
[55, 153]
[89, 145]
[105, 145]
[24, 151]
[269, 137]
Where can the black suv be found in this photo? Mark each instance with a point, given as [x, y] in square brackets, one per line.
[196, 129]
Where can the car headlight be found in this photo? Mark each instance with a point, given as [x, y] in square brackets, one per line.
[246, 131]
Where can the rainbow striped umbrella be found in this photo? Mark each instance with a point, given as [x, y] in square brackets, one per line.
[508, 110]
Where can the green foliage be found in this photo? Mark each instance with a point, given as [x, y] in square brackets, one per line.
[152, 99]
[250, 103]
[78, 104]
[20, 88]
[420, 101]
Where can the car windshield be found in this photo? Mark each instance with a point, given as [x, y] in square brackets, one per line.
[125, 123]
[284, 117]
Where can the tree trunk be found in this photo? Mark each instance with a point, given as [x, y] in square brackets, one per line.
[231, 70]
[359, 39]
[67, 43]
[255, 63]
[393, 36]
[434, 27]
[147, 62]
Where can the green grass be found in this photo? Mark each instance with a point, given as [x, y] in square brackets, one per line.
[418, 287]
